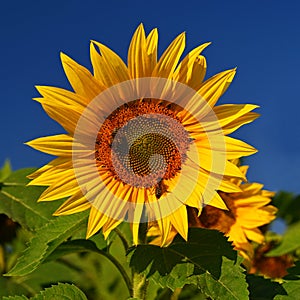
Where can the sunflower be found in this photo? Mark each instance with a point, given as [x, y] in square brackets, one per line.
[143, 140]
[247, 211]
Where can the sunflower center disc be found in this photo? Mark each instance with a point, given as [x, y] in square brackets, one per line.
[146, 148]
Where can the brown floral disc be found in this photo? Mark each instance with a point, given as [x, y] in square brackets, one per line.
[143, 142]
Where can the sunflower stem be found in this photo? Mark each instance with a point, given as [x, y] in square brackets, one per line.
[139, 281]
[123, 239]
[140, 284]
[120, 269]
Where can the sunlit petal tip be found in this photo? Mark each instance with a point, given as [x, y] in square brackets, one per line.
[89, 234]
[30, 183]
[41, 199]
[199, 211]
[231, 74]
[185, 236]
[63, 56]
[40, 88]
[96, 43]
[153, 32]
[92, 47]
[91, 230]
[106, 234]
[135, 238]
[40, 99]
[29, 143]
[141, 26]
[58, 213]
[65, 59]
[254, 150]
[203, 46]
[218, 203]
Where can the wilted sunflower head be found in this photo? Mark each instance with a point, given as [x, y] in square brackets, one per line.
[144, 140]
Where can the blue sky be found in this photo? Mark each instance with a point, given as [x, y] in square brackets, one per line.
[261, 38]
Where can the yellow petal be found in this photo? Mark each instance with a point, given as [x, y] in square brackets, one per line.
[185, 72]
[213, 88]
[228, 113]
[228, 187]
[179, 220]
[266, 193]
[137, 54]
[81, 79]
[103, 196]
[257, 217]
[246, 119]
[236, 148]
[56, 95]
[168, 61]
[210, 180]
[251, 201]
[109, 226]
[99, 67]
[55, 162]
[48, 177]
[218, 202]
[164, 226]
[255, 235]
[151, 49]
[236, 234]
[244, 169]
[58, 145]
[137, 215]
[63, 187]
[198, 73]
[112, 64]
[206, 162]
[74, 204]
[251, 188]
[96, 221]
[66, 116]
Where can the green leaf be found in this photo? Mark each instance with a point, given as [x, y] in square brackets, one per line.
[293, 290]
[206, 259]
[46, 240]
[5, 171]
[204, 247]
[15, 298]
[9, 287]
[290, 241]
[263, 289]
[74, 246]
[62, 291]
[177, 278]
[230, 285]
[293, 272]
[19, 202]
[42, 277]
[291, 284]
